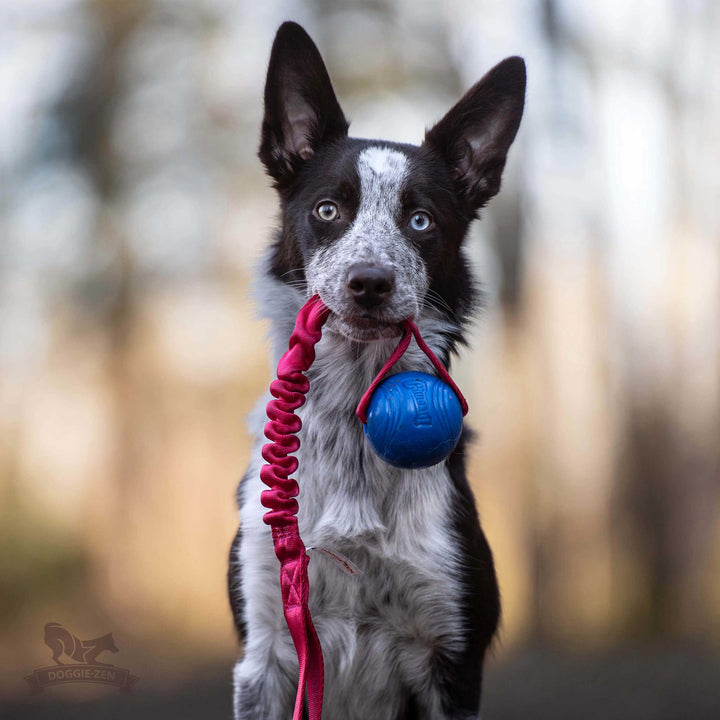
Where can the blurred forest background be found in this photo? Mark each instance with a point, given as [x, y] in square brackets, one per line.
[132, 211]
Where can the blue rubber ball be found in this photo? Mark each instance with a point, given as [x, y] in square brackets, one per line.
[414, 420]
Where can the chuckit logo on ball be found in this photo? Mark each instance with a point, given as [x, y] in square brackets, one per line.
[422, 415]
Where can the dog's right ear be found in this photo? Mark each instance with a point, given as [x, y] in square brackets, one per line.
[475, 135]
[301, 110]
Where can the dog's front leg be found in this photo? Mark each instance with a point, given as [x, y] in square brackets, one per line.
[265, 686]
[265, 679]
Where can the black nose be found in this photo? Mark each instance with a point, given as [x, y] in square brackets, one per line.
[370, 285]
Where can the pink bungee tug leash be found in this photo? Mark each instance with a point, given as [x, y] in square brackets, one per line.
[411, 420]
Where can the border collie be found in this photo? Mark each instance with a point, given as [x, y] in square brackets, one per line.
[376, 229]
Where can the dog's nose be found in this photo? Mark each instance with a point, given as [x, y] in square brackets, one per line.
[370, 285]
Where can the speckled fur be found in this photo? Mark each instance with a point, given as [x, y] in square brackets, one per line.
[373, 237]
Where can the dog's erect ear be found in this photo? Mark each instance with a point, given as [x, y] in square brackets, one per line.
[475, 135]
[301, 110]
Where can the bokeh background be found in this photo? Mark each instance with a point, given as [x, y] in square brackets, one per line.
[132, 212]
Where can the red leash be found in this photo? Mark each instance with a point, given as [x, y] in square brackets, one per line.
[289, 391]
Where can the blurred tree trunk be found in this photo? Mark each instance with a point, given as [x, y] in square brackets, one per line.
[107, 292]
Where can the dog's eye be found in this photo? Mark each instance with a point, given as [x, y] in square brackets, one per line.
[420, 221]
[327, 211]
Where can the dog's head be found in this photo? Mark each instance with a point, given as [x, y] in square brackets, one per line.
[375, 228]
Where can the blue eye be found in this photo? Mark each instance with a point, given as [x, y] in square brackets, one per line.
[327, 211]
[420, 221]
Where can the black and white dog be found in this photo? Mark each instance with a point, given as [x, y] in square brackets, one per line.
[376, 229]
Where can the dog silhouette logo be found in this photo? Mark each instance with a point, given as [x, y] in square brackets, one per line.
[62, 642]
[81, 662]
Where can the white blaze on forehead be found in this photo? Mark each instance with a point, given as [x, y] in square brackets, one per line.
[382, 175]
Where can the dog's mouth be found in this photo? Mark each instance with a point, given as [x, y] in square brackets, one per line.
[365, 327]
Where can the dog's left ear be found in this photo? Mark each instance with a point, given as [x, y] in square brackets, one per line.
[301, 110]
[475, 135]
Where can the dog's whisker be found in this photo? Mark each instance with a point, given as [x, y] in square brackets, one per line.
[435, 300]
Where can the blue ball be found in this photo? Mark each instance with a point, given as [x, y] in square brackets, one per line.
[414, 420]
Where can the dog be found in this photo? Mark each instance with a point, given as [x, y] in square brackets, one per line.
[376, 229]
